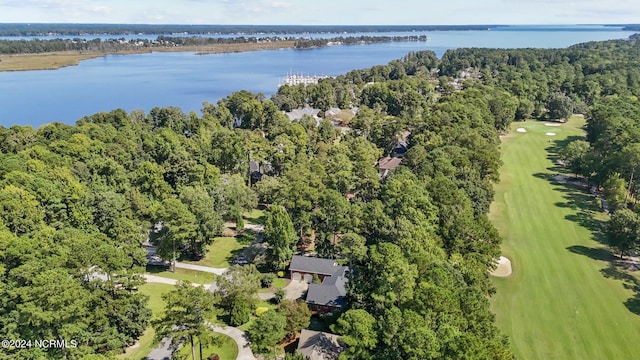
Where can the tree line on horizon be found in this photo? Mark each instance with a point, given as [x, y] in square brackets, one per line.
[49, 29]
[39, 46]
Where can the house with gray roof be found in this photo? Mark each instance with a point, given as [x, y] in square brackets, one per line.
[317, 345]
[329, 295]
[297, 114]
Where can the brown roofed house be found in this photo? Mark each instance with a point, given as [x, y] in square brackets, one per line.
[387, 164]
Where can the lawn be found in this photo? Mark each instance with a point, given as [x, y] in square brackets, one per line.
[564, 300]
[223, 250]
[156, 304]
[198, 277]
[255, 216]
[227, 350]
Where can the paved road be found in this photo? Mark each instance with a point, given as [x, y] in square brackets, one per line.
[217, 271]
[160, 279]
[162, 352]
[247, 226]
[164, 280]
[244, 351]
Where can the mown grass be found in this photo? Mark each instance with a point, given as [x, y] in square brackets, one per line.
[227, 350]
[561, 301]
[198, 277]
[156, 304]
[223, 250]
[255, 216]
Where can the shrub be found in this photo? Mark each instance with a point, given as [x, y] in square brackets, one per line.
[239, 223]
[280, 274]
[278, 296]
[261, 310]
[267, 280]
[239, 314]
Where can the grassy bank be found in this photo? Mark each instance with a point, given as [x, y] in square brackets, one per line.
[565, 299]
[56, 60]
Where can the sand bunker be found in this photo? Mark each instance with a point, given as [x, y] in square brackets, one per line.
[552, 124]
[522, 130]
[550, 134]
[504, 267]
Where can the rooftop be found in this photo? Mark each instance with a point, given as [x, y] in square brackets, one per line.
[332, 290]
[317, 345]
[313, 265]
[389, 163]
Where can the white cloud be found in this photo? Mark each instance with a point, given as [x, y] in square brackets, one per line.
[280, 5]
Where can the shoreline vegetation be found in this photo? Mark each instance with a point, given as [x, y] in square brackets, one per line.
[59, 59]
[35, 54]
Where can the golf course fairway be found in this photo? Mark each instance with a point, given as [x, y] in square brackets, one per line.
[565, 299]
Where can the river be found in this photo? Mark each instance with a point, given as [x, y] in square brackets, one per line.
[184, 79]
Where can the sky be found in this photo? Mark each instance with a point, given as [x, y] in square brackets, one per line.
[322, 12]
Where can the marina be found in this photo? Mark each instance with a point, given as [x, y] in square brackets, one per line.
[295, 80]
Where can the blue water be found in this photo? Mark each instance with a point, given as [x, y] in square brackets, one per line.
[186, 80]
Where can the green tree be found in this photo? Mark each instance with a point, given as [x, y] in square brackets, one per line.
[575, 155]
[333, 213]
[503, 107]
[358, 332]
[238, 290]
[53, 306]
[391, 276]
[560, 106]
[209, 221]
[615, 192]
[297, 314]
[186, 314]
[280, 235]
[179, 228]
[266, 331]
[240, 311]
[623, 231]
[149, 177]
[352, 248]
[524, 109]
[19, 210]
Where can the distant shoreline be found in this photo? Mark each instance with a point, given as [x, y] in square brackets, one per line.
[57, 60]
[50, 29]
